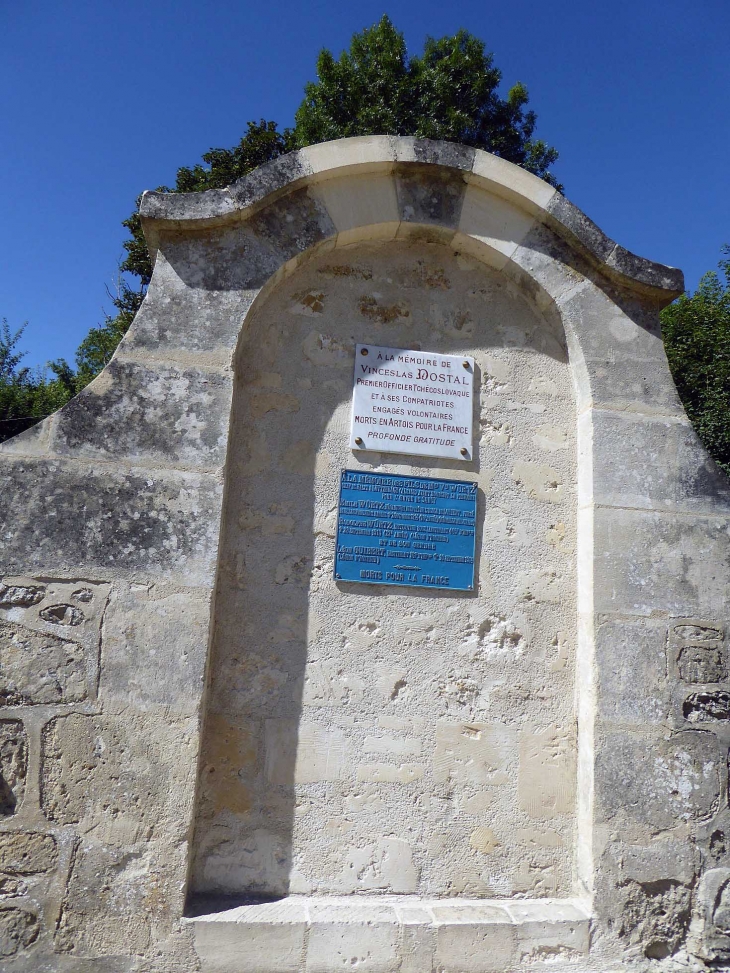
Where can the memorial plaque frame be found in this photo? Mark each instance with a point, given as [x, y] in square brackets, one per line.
[425, 528]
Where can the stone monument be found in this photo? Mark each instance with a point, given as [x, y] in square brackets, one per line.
[369, 610]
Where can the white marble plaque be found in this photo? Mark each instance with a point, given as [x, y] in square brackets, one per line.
[415, 402]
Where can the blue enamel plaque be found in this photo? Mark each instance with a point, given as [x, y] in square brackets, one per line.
[406, 530]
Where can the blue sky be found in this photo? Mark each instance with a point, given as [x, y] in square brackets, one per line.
[101, 100]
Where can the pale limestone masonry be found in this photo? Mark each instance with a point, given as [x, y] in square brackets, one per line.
[214, 758]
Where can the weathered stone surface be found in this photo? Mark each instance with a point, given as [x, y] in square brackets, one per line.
[13, 765]
[62, 615]
[115, 764]
[27, 852]
[129, 411]
[37, 667]
[631, 671]
[659, 781]
[152, 628]
[710, 931]
[428, 197]
[18, 930]
[122, 520]
[186, 323]
[22, 596]
[109, 903]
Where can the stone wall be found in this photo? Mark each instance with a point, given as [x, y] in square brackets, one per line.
[533, 777]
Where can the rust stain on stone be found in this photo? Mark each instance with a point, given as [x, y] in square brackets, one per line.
[230, 749]
[383, 314]
[346, 270]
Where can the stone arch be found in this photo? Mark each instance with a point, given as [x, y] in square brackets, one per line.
[120, 494]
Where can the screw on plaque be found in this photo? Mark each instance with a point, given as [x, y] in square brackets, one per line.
[358, 441]
[363, 351]
[465, 363]
[464, 451]
[338, 577]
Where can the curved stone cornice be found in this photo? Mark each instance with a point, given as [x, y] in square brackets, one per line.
[381, 153]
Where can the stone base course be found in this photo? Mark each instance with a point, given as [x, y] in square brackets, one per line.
[328, 934]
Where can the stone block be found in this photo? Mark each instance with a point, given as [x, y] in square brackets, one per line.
[434, 152]
[493, 224]
[37, 667]
[105, 518]
[428, 198]
[475, 947]
[357, 202]
[184, 324]
[631, 671]
[153, 628]
[19, 929]
[137, 769]
[129, 411]
[337, 946]
[230, 946]
[366, 153]
[303, 753]
[522, 188]
[27, 852]
[659, 779]
[653, 462]
[386, 864]
[546, 782]
[270, 178]
[676, 564]
[111, 901]
[13, 765]
[576, 226]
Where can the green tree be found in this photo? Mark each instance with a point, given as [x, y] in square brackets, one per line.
[696, 330]
[27, 396]
[450, 93]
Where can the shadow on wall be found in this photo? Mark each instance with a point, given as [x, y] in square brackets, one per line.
[288, 641]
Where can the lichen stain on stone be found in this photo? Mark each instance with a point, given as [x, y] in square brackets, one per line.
[382, 314]
[431, 277]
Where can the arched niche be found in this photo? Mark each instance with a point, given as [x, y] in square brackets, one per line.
[366, 739]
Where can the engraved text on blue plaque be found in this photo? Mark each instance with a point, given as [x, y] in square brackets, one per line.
[406, 530]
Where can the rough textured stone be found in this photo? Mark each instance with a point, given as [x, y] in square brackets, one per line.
[25, 853]
[13, 765]
[128, 412]
[18, 930]
[39, 668]
[110, 519]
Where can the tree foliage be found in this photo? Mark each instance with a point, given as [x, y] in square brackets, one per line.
[696, 330]
[27, 396]
[450, 92]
